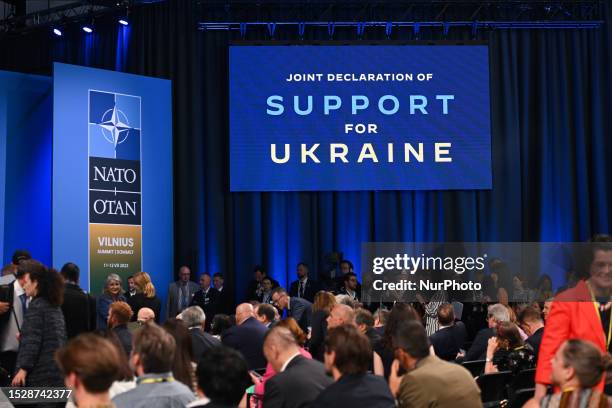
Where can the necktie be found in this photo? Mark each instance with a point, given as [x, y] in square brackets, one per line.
[301, 290]
[24, 304]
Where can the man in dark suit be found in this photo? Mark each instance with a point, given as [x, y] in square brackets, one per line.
[180, 293]
[299, 309]
[346, 267]
[206, 298]
[247, 336]
[533, 325]
[255, 287]
[299, 380]
[223, 300]
[451, 335]
[119, 315]
[79, 308]
[348, 356]
[195, 319]
[496, 313]
[266, 315]
[303, 288]
[349, 288]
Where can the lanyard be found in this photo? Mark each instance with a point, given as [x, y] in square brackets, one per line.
[607, 337]
[155, 380]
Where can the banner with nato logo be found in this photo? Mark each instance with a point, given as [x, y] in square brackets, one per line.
[367, 117]
[112, 174]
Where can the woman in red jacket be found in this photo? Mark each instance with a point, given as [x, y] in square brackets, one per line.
[582, 312]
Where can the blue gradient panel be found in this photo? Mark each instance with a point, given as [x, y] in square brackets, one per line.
[73, 116]
[25, 165]
[299, 100]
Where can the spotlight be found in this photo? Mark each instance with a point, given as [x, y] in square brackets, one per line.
[57, 32]
[123, 21]
[87, 29]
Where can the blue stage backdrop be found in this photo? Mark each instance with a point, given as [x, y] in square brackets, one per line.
[112, 175]
[359, 118]
[25, 165]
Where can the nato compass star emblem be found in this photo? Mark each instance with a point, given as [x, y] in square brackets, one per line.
[115, 126]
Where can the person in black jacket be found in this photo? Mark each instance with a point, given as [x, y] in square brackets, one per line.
[206, 298]
[451, 335]
[304, 287]
[195, 320]
[223, 300]
[43, 331]
[348, 355]
[79, 308]
[119, 315]
[145, 296]
[323, 304]
[298, 381]
[495, 314]
[247, 336]
[255, 287]
[533, 325]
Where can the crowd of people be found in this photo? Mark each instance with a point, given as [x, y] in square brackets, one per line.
[305, 345]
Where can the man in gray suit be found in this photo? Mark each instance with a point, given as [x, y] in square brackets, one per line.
[180, 293]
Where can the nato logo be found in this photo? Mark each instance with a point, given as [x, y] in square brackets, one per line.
[114, 125]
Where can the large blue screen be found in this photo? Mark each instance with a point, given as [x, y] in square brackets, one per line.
[366, 117]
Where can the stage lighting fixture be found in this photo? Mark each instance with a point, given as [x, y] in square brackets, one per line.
[57, 32]
[87, 29]
[123, 21]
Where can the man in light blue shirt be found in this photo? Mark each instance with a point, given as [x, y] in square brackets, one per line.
[152, 357]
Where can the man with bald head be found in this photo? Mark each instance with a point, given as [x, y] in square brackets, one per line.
[144, 315]
[298, 381]
[247, 336]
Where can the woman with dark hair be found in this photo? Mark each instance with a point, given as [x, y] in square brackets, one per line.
[182, 369]
[323, 303]
[507, 352]
[112, 293]
[401, 312]
[220, 323]
[43, 330]
[544, 288]
[145, 296]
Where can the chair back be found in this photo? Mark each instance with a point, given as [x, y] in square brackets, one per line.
[493, 385]
[475, 367]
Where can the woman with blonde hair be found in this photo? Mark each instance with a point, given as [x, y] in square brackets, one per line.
[323, 304]
[113, 292]
[145, 296]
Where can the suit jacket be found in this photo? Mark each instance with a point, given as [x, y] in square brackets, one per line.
[478, 350]
[43, 332]
[438, 383]
[251, 293]
[125, 338]
[447, 341]
[79, 310]
[139, 300]
[223, 302]
[247, 338]
[207, 302]
[301, 311]
[172, 306]
[572, 315]
[356, 391]
[310, 290]
[319, 332]
[535, 340]
[201, 341]
[297, 386]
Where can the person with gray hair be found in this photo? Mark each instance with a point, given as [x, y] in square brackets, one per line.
[113, 292]
[496, 313]
[195, 319]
